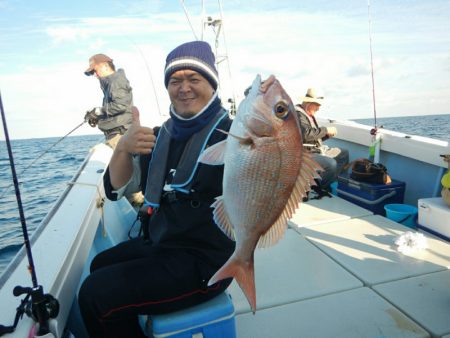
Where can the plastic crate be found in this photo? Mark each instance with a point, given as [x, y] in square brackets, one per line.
[370, 196]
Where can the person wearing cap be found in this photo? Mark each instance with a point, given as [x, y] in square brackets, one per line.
[168, 268]
[332, 160]
[114, 116]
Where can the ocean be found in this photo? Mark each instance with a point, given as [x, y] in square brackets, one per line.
[43, 182]
[40, 184]
[434, 126]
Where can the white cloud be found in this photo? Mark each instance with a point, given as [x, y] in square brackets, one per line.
[63, 30]
[328, 50]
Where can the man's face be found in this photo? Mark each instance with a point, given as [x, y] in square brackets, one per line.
[189, 92]
[312, 108]
[100, 69]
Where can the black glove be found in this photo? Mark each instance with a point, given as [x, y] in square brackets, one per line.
[93, 116]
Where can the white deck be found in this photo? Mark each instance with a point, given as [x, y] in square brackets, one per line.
[337, 273]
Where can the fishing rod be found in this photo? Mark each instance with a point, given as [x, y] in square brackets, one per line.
[37, 305]
[41, 155]
[374, 149]
[371, 64]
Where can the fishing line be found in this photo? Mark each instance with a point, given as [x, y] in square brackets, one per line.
[188, 19]
[149, 73]
[45, 152]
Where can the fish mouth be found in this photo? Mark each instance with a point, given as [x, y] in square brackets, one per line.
[263, 86]
[259, 86]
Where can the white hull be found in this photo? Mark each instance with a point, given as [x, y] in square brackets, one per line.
[61, 245]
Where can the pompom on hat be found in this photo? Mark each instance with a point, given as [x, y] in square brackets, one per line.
[313, 95]
[195, 55]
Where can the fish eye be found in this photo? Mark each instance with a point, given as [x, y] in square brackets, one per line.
[281, 109]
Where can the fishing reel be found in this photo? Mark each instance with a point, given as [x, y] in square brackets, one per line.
[92, 116]
[42, 306]
[38, 306]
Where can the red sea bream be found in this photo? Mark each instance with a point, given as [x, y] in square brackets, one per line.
[266, 175]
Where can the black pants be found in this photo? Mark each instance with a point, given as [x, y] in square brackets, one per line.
[135, 278]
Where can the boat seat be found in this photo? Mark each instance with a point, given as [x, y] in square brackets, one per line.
[211, 319]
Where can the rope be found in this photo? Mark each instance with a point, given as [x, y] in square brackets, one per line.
[100, 202]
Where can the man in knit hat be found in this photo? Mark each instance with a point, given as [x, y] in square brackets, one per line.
[168, 268]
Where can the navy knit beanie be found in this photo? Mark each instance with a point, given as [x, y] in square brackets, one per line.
[195, 55]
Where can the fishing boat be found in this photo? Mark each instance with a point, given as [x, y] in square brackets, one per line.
[336, 272]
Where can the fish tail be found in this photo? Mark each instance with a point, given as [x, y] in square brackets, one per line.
[243, 273]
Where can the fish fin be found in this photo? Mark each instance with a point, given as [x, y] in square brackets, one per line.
[243, 273]
[309, 166]
[308, 172]
[214, 155]
[303, 184]
[221, 218]
[275, 232]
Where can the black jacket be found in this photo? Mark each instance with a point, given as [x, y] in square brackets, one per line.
[311, 132]
[117, 101]
[188, 223]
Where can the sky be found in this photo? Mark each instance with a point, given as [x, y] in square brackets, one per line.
[45, 46]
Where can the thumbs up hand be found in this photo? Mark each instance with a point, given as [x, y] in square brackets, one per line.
[137, 139]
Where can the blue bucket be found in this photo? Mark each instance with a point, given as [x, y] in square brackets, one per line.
[402, 213]
[333, 187]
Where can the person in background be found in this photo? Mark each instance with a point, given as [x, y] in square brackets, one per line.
[114, 116]
[168, 268]
[332, 160]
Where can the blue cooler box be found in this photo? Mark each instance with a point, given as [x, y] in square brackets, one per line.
[370, 196]
[212, 319]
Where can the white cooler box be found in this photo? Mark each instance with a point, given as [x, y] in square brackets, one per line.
[434, 216]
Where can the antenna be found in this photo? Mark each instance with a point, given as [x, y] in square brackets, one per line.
[218, 29]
